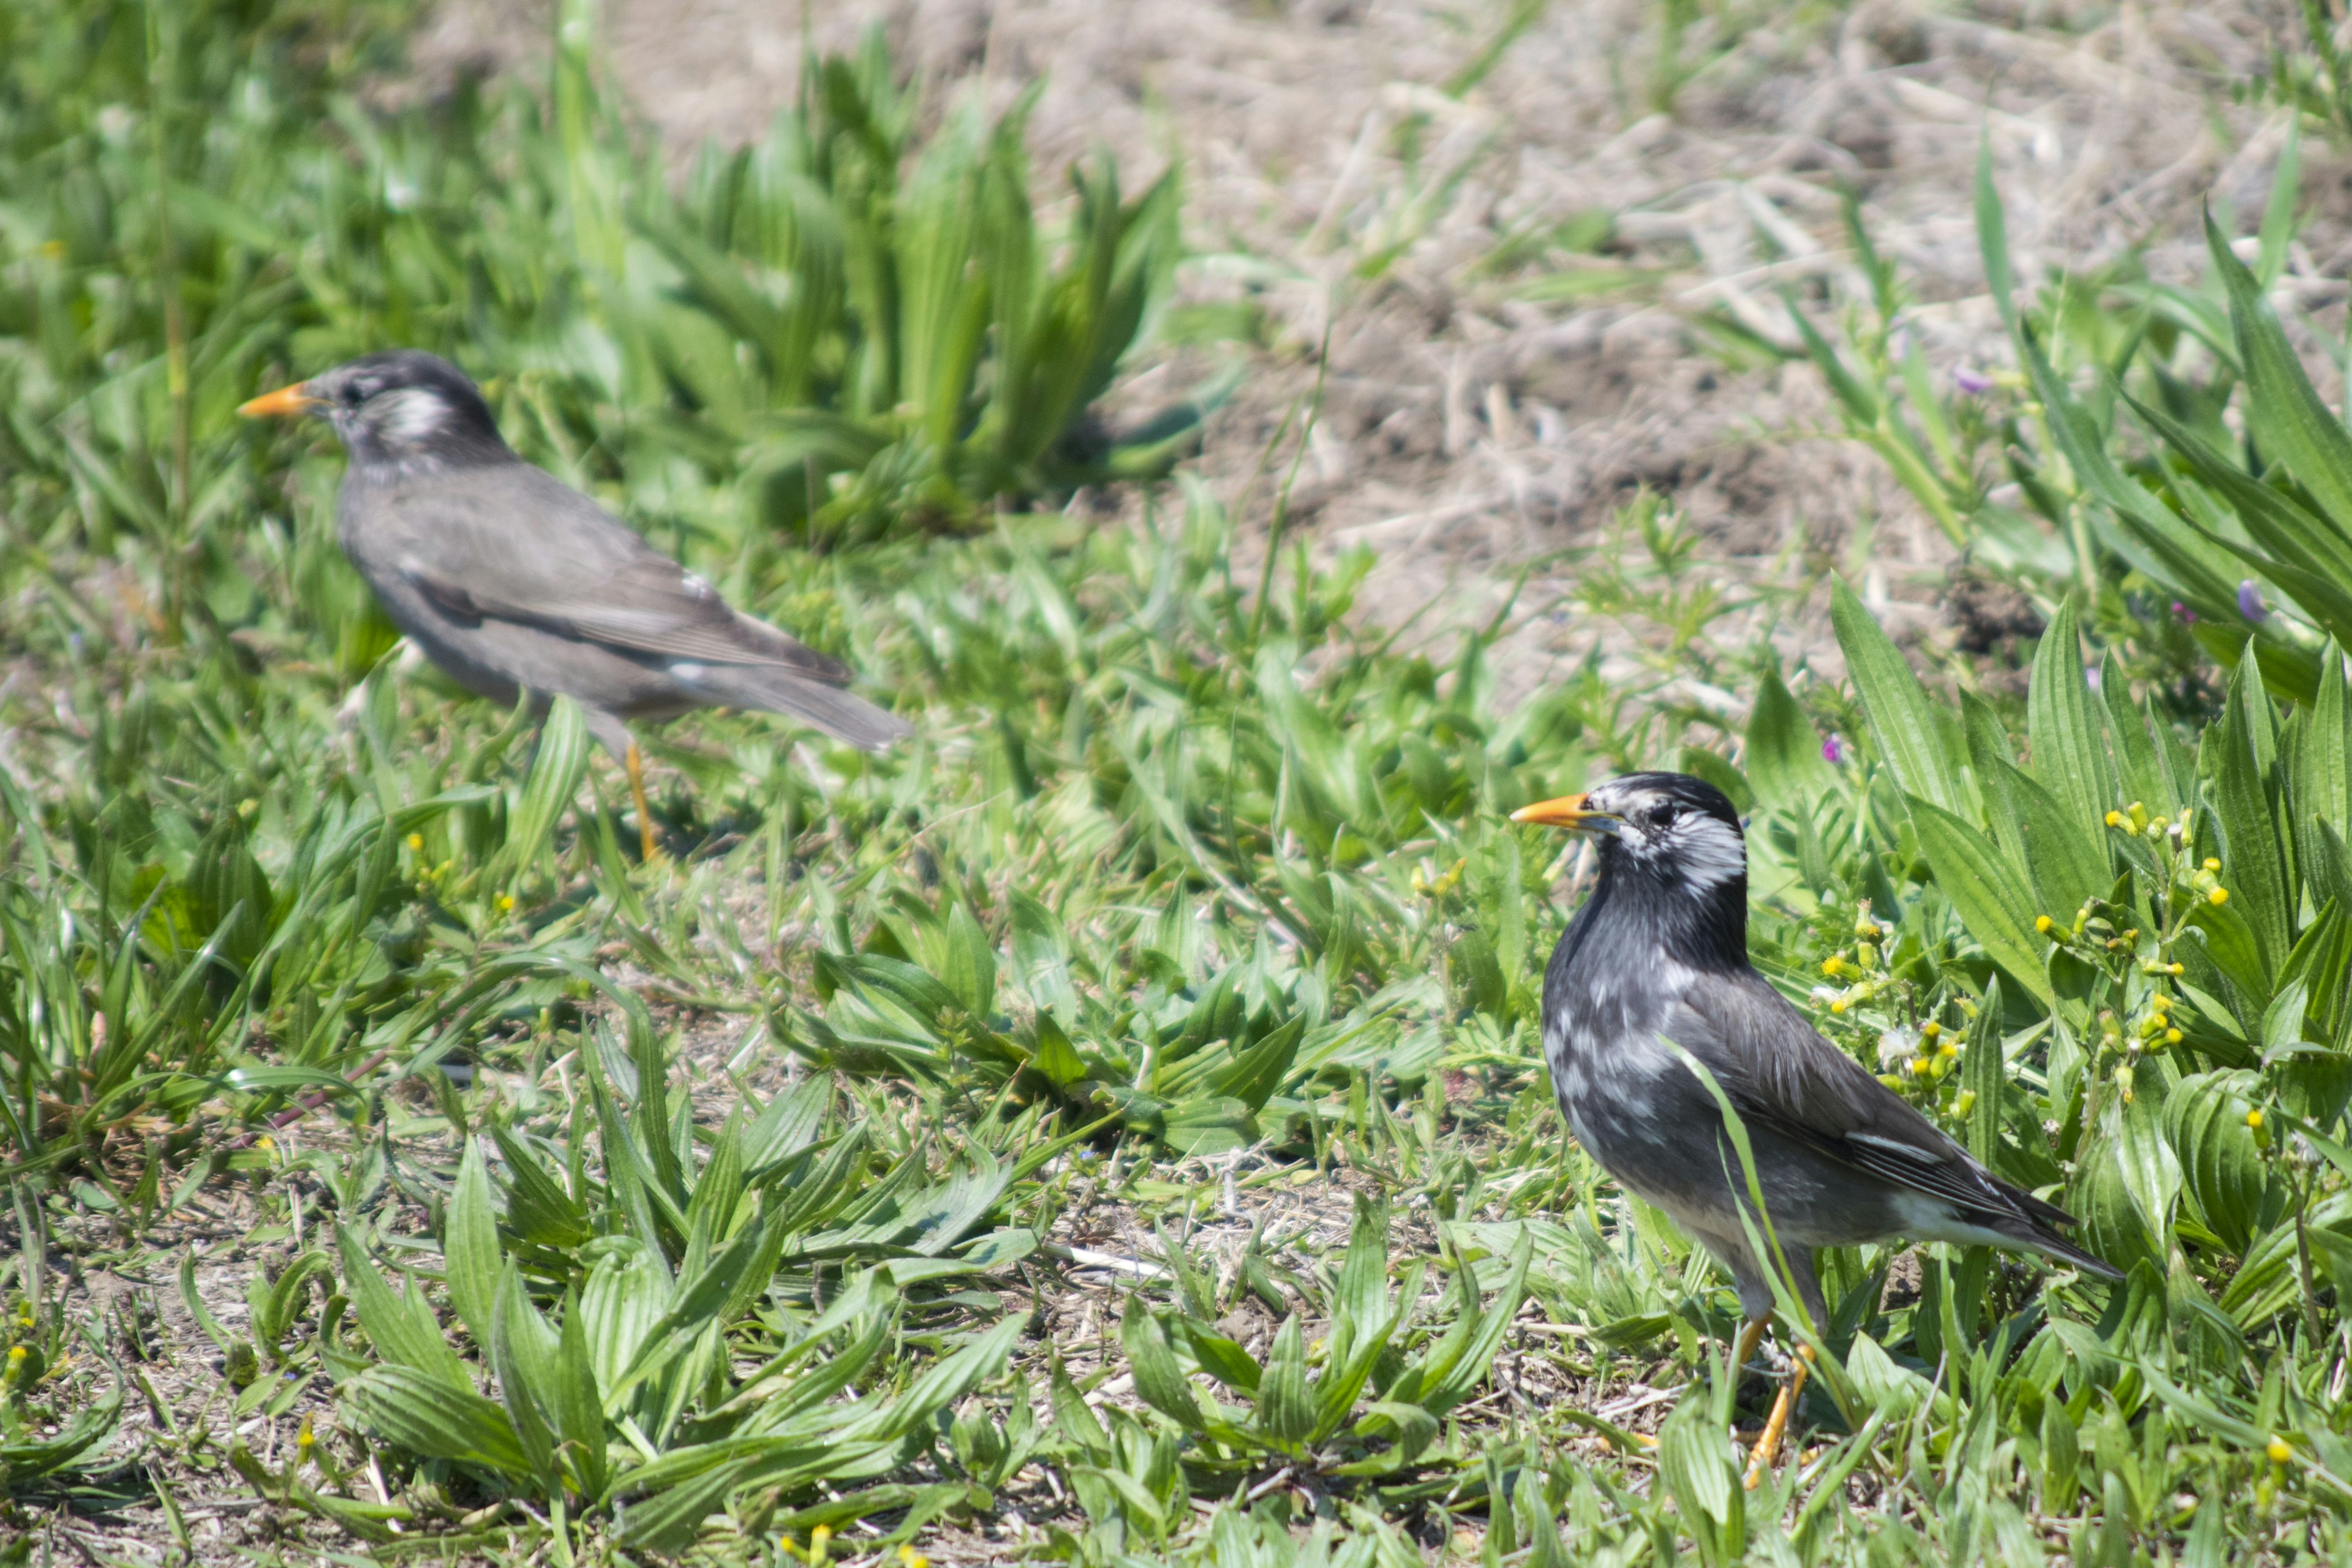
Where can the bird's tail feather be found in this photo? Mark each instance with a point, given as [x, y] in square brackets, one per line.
[2034, 1224]
[837, 713]
[2051, 1244]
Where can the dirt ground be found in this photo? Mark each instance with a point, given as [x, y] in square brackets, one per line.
[1464, 429]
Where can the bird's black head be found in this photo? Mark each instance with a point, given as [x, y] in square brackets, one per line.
[1671, 843]
[400, 411]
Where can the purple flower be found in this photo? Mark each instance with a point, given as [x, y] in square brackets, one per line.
[2188, 617]
[2091, 674]
[1976, 384]
[2250, 602]
[1833, 750]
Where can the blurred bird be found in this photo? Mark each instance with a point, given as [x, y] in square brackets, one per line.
[1659, 953]
[511, 581]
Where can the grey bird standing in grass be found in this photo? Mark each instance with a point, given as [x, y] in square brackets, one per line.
[1659, 953]
[511, 581]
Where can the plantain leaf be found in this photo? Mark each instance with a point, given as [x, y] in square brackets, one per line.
[1284, 1412]
[401, 1329]
[1901, 720]
[469, 1246]
[2069, 752]
[2285, 415]
[1159, 1376]
[2239, 755]
[548, 792]
[2204, 1120]
[434, 1420]
[1990, 893]
[2064, 858]
[2138, 775]
[1782, 753]
[1985, 1074]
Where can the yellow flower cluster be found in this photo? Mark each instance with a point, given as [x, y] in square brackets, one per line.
[1862, 966]
[1430, 886]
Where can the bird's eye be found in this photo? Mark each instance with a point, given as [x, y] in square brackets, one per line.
[354, 394]
[1664, 816]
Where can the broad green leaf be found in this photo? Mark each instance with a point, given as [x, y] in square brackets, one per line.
[970, 970]
[2103, 1197]
[1901, 720]
[2069, 752]
[435, 1420]
[1992, 237]
[1159, 1376]
[1284, 1410]
[2064, 858]
[945, 1382]
[1224, 1359]
[1989, 893]
[1695, 1463]
[2204, 1119]
[2239, 759]
[2285, 415]
[2138, 775]
[576, 1404]
[1783, 753]
[470, 1245]
[523, 1351]
[547, 794]
[403, 1328]
[1984, 1073]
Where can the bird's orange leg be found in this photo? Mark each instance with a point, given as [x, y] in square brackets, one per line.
[1767, 1446]
[636, 767]
[1751, 1334]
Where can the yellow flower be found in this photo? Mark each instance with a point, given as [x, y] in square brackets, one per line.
[1839, 1005]
[2115, 819]
[2218, 897]
[1930, 1029]
[506, 903]
[2279, 1452]
[2211, 864]
[2042, 924]
[2171, 1037]
[416, 841]
[820, 1542]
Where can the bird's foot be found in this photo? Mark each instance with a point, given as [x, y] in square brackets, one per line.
[1776, 1425]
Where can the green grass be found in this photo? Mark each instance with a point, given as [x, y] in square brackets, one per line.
[1110, 1127]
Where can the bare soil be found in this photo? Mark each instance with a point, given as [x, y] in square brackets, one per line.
[1464, 431]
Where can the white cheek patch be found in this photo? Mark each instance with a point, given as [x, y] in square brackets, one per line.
[411, 415]
[1707, 852]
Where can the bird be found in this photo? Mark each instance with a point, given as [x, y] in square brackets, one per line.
[513, 582]
[1656, 959]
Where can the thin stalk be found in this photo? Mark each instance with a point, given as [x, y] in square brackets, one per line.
[1282, 497]
[176, 326]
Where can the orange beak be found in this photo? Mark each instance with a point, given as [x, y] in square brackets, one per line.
[1569, 811]
[286, 402]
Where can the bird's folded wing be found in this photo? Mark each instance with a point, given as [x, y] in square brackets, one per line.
[532, 550]
[1778, 1070]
